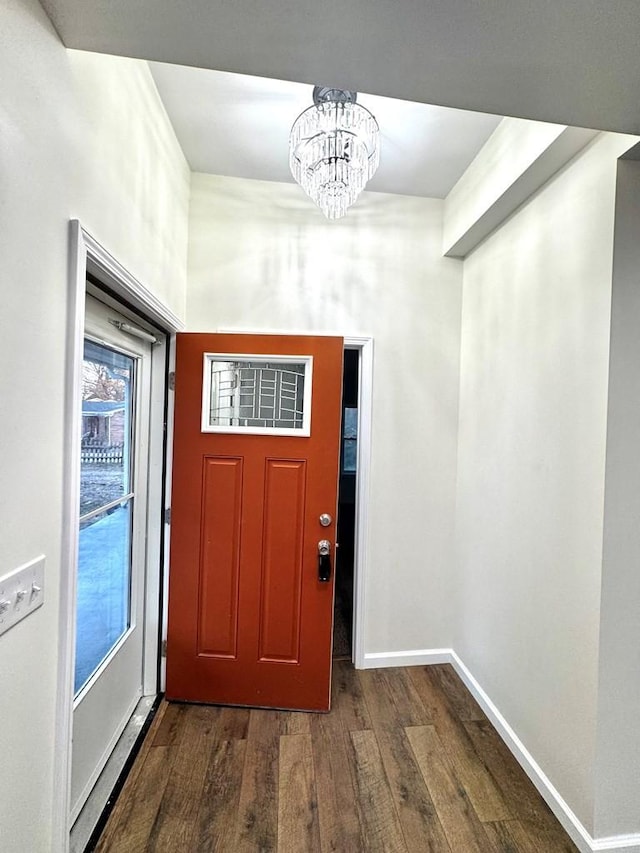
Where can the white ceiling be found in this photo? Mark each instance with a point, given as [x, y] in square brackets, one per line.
[565, 61]
[237, 125]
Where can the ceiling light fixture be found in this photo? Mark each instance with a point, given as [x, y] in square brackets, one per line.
[333, 150]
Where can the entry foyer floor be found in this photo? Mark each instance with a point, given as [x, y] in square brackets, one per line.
[405, 762]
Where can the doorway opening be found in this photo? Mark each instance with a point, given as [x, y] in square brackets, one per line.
[345, 555]
[110, 607]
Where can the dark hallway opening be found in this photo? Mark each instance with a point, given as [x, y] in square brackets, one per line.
[343, 608]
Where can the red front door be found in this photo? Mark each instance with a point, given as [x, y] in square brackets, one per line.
[255, 465]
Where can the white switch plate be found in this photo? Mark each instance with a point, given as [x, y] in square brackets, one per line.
[21, 592]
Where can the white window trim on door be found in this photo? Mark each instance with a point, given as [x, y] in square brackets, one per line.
[88, 256]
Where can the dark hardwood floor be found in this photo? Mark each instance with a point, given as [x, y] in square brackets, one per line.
[405, 762]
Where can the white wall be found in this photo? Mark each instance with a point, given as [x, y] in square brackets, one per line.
[130, 178]
[263, 257]
[80, 136]
[618, 749]
[531, 461]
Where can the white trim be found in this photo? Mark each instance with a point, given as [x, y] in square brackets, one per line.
[256, 358]
[164, 616]
[364, 345]
[125, 286]
[412, 657]
[155, 518]
[570, 822]
[69, 556]
[85, 255]
[630, 843]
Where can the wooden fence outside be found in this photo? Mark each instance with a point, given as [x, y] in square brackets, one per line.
[110, 454]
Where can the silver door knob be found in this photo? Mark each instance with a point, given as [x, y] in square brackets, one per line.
[325, 519]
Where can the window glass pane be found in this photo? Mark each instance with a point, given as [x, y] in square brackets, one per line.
[350, 440]
[350, 457]
[256, 393]
[106, 426]
[350, 426]
[103, 601]
[104, 555]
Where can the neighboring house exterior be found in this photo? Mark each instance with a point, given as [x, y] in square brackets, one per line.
[102, 423]
[504, 509]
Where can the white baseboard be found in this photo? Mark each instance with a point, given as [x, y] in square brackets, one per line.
[579, 835]
[413, 657]
[628, 843]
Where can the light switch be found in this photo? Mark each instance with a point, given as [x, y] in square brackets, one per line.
[21, 592]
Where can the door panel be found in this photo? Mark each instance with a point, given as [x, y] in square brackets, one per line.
[281, 587]
[112, 543]
[220, 562]
[249, 621]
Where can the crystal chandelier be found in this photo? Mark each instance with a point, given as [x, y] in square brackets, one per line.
[333, 150]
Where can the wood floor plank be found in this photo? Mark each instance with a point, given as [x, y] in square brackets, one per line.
[514, 782]
[298, 827]
[486, 797]
[129, 828]
[523, 836]
[335, 774]
[409, 708]
[218, 810]
[175, 822]
[462, 702]
[257, 819]
[532, 837]
[420, 823]
[347, 699]
[295, 723]
[503, 838]
[170, 726]
[233, 723]
[519, 792]
[462, 827]
[517, 788]
[378, 819]
[391, 699]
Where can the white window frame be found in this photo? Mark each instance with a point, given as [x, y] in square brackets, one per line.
[303, 432]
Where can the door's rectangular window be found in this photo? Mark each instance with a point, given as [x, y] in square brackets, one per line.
[259, 394]
[106, 499]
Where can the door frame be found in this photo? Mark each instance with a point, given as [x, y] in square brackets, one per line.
[364, 347]
[87, 256]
